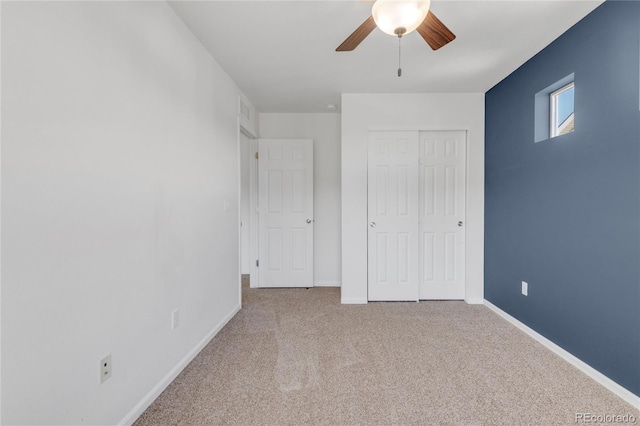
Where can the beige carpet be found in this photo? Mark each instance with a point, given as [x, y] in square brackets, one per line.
[297, 356]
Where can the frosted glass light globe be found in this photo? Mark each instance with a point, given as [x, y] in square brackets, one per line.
[390, 15]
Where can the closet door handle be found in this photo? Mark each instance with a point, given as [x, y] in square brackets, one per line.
[372, 224]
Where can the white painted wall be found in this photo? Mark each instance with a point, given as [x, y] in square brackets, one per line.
[119, 147]
[324, 129]
[438, 111]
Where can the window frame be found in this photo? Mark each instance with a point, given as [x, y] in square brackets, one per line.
[553, 109]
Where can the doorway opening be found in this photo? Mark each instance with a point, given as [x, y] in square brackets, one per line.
[276, 212]
[247, 146]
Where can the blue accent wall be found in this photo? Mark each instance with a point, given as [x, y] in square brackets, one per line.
[563, 214]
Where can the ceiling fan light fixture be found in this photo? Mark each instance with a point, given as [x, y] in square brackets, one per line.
[399, 17]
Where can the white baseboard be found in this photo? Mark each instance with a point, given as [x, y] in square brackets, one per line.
[327, 283]
[620, 391]
[475, 301]
[166, 381]
[356, 301]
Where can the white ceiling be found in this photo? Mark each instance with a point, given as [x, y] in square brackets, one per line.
[282, 53]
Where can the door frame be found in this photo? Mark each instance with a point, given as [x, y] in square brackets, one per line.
[253, 167]
[253, 214]
[419, 128]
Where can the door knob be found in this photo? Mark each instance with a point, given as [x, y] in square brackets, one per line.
[308, 220]
[460, 223]
[372, 224]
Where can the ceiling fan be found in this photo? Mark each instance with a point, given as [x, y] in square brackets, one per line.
[400, 17]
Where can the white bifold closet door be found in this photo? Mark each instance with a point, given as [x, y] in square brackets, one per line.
[393, 216]
[416, 213]
[442, 215]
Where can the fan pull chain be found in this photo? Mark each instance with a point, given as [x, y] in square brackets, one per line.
[399, 55]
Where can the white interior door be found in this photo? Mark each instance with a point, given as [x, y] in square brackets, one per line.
[442, 214]
[285, 169]
[393, 216]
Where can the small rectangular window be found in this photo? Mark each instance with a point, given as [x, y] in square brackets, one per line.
[561, 108]
[553, 109]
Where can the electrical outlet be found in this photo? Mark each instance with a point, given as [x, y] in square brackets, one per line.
[105, 368]
[175, 318]
[525, 288]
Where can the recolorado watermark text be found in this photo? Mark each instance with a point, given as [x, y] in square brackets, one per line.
[605, 418]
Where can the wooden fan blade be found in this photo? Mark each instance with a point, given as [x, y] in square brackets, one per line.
[434, 32]
[357, 36]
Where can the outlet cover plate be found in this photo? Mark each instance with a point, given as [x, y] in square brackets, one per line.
[105, 368]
